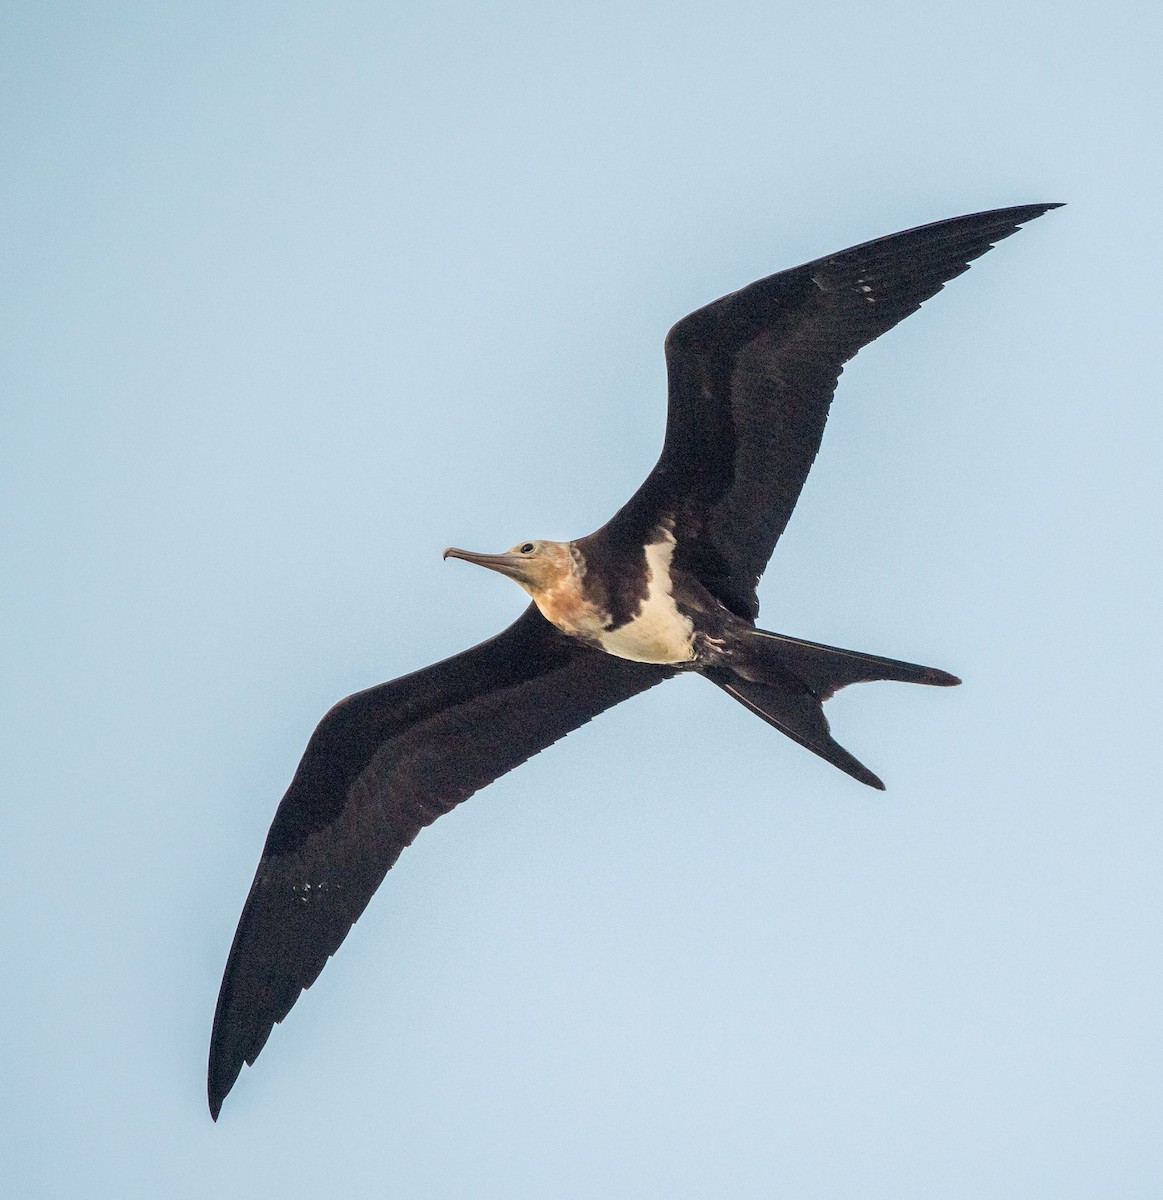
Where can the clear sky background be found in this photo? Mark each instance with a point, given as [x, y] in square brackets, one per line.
[295, 295]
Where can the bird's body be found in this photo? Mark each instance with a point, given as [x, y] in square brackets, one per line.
[667, 585]
[632, 612]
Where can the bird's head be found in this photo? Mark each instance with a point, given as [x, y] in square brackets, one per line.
[539, 567]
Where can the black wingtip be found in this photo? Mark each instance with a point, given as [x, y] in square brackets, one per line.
[862, 775]
[216, 1092]
[219, 1082]
[220, 1077]
[1024, 212]
[1030, 212]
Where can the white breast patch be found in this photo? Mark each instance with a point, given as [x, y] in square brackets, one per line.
[659, 633]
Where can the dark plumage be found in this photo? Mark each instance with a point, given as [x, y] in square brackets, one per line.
[668, 585]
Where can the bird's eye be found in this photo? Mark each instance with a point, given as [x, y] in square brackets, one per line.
[527, 548]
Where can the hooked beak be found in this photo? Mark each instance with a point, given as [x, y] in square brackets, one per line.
[512, 565]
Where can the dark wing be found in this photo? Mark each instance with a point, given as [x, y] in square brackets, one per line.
[381, 765]
[751, 378]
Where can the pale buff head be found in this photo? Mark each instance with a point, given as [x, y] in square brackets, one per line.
[540, 567]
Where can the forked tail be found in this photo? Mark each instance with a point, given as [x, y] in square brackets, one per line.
[786, 680]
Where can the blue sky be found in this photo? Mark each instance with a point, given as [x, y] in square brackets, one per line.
[293, 296]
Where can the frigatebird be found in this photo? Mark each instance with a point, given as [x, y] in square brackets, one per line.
[667, 585]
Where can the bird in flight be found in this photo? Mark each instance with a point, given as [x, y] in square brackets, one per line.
[667, 585]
